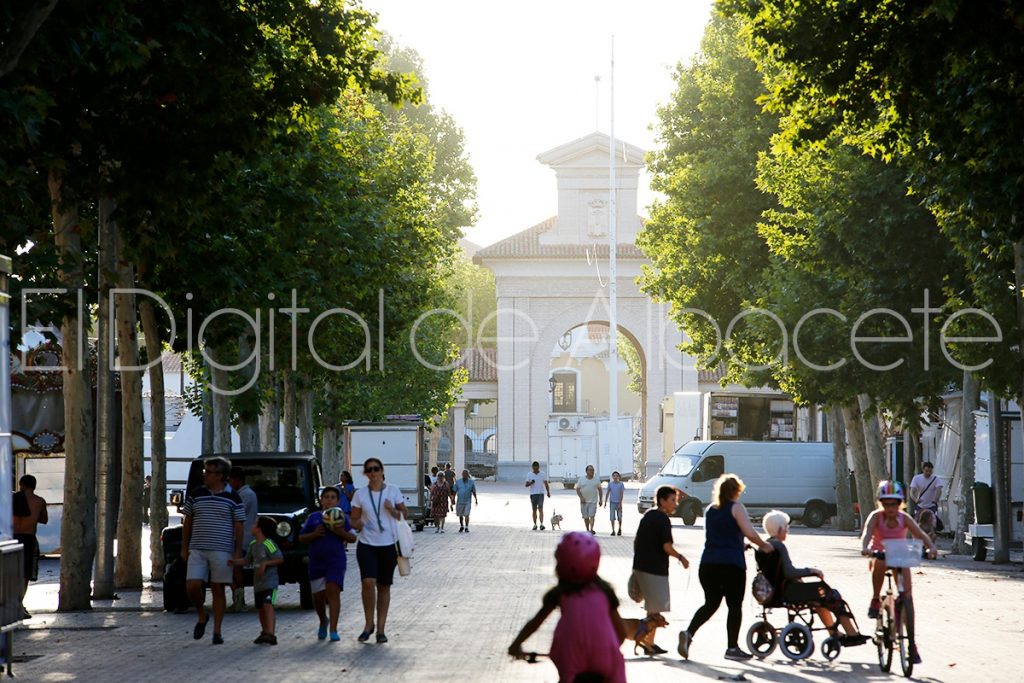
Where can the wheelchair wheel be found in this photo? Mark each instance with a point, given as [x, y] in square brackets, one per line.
[830, 648]
[796, 641]
[761, 639]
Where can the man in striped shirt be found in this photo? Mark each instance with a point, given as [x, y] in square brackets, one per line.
[211, 538]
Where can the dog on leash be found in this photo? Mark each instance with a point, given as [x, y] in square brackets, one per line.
[556, 520]
[646, 635]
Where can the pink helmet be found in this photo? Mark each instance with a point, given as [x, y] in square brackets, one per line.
[577, 557]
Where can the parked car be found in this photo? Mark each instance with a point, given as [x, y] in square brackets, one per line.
[286, 486]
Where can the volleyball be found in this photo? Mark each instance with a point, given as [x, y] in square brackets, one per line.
[334, 517]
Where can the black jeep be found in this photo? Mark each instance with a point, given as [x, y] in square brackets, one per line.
[286, 486]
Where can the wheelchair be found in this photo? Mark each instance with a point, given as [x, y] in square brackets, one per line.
[796, 638]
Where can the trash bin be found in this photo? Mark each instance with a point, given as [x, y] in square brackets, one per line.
[983, 510]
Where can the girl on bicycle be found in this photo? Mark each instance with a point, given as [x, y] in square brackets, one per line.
[889, 522]
[590, 631]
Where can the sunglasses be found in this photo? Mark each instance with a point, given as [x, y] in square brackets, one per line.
[373, 468]
[890, 503]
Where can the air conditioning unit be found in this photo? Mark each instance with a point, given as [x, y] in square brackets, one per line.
[568, 424]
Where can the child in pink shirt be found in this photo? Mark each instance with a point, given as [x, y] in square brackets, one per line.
[590, 631]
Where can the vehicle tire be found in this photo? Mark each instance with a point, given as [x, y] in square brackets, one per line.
[830, 648]
[905, 643]
[690, 513]
[761, 639]
[815, 514]
[883, 641]
[796, 641]
[305, 594]
[979, 548]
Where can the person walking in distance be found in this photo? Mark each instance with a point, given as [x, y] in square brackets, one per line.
[375, 509]
[211, 536]
[616, 493]
[538, 486]
[237, 481]
[723, 568]
[29, 511]
[591, 496]
[464, 488]
[147, 487]
[440, 503]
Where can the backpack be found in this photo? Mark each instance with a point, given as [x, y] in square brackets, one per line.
[761, 588]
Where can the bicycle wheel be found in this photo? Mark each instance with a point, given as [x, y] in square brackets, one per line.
[883, 640]
[903, 635]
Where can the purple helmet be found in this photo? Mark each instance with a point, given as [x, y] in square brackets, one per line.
[577, 557]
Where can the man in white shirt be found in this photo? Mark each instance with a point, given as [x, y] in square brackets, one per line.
[538, 485]
[926, 488]
[591, 495]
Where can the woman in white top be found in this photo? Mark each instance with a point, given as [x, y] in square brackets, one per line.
[375, 509]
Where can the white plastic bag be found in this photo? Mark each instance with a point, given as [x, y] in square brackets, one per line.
[406, 542]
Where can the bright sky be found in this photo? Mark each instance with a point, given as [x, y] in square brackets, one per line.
[519, 79]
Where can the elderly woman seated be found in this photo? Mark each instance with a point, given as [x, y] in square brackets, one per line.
[789, 589]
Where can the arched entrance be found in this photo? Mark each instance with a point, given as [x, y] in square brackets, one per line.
[580, 429]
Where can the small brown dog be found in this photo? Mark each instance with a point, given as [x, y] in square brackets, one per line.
[556, 520]
[646, 632]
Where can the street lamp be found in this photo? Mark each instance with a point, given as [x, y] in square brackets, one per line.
[566, 341]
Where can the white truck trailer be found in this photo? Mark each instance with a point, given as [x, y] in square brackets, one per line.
[399, 445]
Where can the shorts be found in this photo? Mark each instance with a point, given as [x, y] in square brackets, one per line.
[615, 511]
[268, 597]
[319, 585]
[322, 573]
[31, 555]
[463, 509]
[209, 565]
[537, 501]
[588, 510]
[655, 590]
[377, 562]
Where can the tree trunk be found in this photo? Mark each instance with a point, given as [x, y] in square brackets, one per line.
[998, 445]
[106, 422]
[331, 461]
[248, 425]
[289, 412]
[78, 525]
[157, 438]
[304, 414]
[971, 400]
[844, 501]
[911, 439]
[270, 420]
[873, 440]
[128, 564]
[855, 438]
[208, 441]
[220, 383]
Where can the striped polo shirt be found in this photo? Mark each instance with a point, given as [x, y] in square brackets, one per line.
[213, 519]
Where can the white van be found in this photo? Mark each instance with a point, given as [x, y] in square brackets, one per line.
[795, 477]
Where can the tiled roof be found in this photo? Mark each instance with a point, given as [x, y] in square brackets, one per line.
[171, 362]
[714, 375]
[526, 244]
[481, 363]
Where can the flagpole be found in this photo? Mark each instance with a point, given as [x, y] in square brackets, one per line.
[613, 325]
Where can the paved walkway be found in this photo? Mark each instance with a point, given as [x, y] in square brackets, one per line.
[468, 595]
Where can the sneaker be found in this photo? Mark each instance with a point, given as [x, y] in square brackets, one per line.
[335, 637]
[218, 639]
[613, 533]
[737, 654]
[442, 530]
[270, 639]
[467, 529]
[321, 633]
[684, 644]
[914, 656]
[437, 530]
[875, 608]
[534, 527]
[461, 529]
[542, 527]
[620, 533]
[593, 533]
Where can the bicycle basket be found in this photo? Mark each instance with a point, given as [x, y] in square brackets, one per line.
[903, 552]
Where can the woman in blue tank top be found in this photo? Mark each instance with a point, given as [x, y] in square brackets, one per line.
[723, 569]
